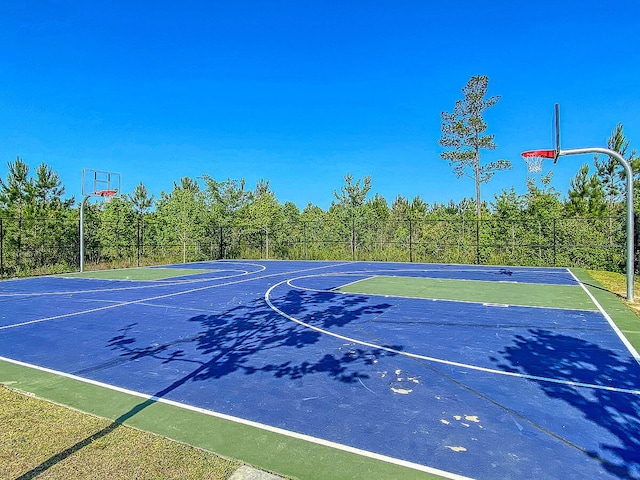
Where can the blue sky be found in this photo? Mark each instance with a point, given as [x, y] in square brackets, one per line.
[302, 92]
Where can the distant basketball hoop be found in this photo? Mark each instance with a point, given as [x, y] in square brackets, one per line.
[107, 195]
[96, 183]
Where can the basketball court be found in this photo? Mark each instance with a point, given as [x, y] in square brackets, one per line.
[343, 369]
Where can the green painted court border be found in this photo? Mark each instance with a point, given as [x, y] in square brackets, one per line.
[476, 291]
[626, 320]
[267, 450]
[138, 273]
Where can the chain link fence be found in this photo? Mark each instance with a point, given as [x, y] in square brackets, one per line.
[50, 245]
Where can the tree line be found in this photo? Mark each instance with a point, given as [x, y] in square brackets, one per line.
[206, 218]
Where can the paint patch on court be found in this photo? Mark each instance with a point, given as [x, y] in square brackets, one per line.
[404, 384]
[456, 449]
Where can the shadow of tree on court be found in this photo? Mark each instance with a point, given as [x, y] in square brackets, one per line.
[548, 354]
[226, 341]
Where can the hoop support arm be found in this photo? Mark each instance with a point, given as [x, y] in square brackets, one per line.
[630, 220]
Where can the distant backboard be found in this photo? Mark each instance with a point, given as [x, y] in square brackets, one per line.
[100, 183]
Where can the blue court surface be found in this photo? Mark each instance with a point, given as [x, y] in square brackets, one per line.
[460, 388]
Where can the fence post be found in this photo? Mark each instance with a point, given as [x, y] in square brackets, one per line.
[554, 242]
[19, 251]
[353, 238]
[304, 238]
[477, 241]
[410, 241]
[540, 238]
[1, 248]
[139, 240]
[221, 254]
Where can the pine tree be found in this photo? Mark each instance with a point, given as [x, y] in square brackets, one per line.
[586, 195]
[140, 199]
[610, 172]
[17, 192]
[463, 131]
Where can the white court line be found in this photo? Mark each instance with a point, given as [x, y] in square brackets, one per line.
[250, 423]
[157, 305]
[612, 324]
[385, 272]
[431, 267]
[167, 295]
[152, 284]
[440, 360]
[430, 299]
[367, 277]
[149, 284]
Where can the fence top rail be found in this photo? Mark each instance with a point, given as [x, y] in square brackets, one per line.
[149, 218]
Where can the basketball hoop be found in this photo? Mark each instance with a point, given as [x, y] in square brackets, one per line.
[534, 159]
[106, 193]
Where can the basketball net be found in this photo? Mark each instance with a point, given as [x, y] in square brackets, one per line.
[534, 164]
[535, 158]
[107, 195]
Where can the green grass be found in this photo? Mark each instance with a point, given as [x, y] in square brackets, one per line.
[616, 283]
[139, 273]
[39, 436]
[506, 293]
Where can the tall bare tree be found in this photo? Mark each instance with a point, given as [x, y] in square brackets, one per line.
[463, 133]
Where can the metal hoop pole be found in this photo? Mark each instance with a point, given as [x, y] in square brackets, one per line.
[630, 239]
[82, 232]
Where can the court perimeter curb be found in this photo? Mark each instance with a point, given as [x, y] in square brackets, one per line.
[248, 473]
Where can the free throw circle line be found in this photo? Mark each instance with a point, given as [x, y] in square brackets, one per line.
[438, 360]
[167, 295]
